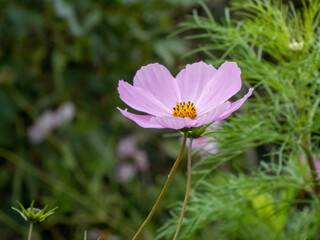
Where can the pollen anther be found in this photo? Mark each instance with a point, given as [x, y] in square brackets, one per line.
[183, 109]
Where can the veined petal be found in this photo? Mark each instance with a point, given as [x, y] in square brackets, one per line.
[213, 114]
[141, 120]
[174, 122]
[235, 105]
[141, 100]
[193, 79]
[159, 82]
[225, 83]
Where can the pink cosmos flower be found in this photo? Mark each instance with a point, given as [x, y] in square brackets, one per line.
[197, 96]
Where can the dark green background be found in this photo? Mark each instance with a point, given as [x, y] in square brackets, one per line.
[58, 51]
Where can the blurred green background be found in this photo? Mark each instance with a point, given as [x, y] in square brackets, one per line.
[62, 141]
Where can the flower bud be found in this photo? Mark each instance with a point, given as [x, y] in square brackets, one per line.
[32, 214]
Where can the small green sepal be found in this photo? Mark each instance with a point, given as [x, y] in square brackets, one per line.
[32, 214]
[198, 131]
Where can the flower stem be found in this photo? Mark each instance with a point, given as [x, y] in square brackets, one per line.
[30, 231]
[187, 192]
[166, 185]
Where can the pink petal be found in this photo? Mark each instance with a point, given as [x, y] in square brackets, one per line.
[212, 115]
[159, 82]
[225, 83]
[141, 100]
[235, 105]
[174, 122]
[193, 79]
[142, 120]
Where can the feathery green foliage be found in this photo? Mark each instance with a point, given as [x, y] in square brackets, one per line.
[277, 46]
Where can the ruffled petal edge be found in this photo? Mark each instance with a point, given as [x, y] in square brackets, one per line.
[235, 105]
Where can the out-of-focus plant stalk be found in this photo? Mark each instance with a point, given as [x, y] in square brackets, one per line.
[187, 192]
[312, 168]
[30, 231]
[170, 175]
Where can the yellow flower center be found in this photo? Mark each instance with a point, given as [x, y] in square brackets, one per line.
[183, 109]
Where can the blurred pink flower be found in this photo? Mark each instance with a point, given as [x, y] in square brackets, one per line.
[125, 172]
[42, 127]
[318, 167]
[127, 147]
[316, 163]
[206, 144]
[64, 114]
[133, 160]
[142, 162]
[197, 96]
[49, 121]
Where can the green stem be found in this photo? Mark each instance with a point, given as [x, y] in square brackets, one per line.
[312, 168]
[30, 231]
[155, 206]
[187, 192]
